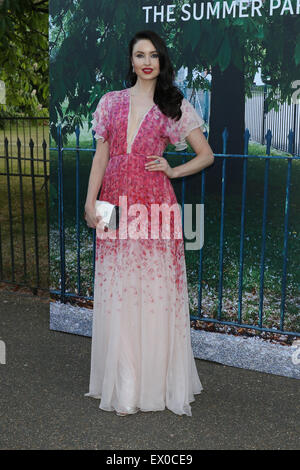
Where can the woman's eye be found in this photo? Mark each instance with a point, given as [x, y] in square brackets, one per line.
[153, 55]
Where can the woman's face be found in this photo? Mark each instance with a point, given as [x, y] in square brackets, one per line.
[145, 59]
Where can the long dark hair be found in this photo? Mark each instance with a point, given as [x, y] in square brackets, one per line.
[167, 96]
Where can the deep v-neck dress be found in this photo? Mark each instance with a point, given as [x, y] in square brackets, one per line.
[141, 357]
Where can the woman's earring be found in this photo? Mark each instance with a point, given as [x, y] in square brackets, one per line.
[133, 68]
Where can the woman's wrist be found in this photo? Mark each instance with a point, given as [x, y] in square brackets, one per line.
[174, 172]
[89, 205]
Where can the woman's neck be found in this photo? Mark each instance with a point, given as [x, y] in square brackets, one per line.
[145, 88]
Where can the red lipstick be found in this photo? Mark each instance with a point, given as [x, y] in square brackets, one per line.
[147, 70]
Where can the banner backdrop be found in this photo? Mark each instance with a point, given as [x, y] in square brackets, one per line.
[238, 63]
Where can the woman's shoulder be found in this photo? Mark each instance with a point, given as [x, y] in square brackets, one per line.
[113, 97]
[186, 104]
[187, 109]
[115, 94]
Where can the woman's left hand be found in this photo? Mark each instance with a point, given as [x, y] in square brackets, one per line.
[162, 165]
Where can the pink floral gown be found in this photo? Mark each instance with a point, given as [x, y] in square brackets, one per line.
[141, 357]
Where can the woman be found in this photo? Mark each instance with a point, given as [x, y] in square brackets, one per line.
[141, 355]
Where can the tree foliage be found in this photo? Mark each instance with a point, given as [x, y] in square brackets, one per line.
[269, 42]
[89, 38]
[24, 55]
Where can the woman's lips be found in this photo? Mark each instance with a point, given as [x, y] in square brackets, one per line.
[147, 70]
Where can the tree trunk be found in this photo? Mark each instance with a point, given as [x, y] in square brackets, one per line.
[227, 110]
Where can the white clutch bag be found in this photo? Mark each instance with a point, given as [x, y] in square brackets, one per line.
[109, 213]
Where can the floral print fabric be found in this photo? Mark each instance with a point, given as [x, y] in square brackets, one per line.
[171, 131]
[141, 355]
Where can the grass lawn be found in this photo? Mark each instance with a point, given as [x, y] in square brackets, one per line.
[18, 267]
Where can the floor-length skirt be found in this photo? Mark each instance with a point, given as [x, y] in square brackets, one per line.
[141, 357]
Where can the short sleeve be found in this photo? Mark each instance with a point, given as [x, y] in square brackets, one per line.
[177, 131]
[100, 122]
